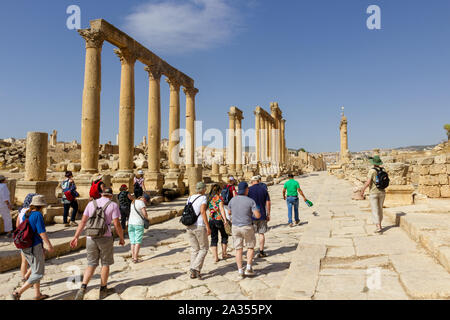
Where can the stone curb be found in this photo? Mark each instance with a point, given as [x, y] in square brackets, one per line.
[416, 233]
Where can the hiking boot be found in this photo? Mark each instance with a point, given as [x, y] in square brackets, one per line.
[80, 294]
[249, 272]
[73, 224]
[262, 254]
[105, 293]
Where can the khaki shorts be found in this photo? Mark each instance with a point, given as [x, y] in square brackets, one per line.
[241, 235]
[260, 226]
[100, 249]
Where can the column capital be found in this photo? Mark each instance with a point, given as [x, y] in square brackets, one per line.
[125, 56]
[94, 39]
[174, 84]
[154, 72]
[190, 91]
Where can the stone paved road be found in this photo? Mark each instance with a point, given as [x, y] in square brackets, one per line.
[330, 254]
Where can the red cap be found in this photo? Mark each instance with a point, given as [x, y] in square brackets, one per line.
[123, 186]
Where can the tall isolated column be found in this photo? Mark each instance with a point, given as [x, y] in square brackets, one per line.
[239, 145]
[174, 125]
[283, 140]
[344, 138]
[90, 114]
[258, 134]
[231, 152]
[36, 156]
[126, 110]
[190, 125]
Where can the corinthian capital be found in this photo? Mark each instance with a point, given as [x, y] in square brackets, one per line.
[174, 84]
[190, 91]
[94, 39]
[154, 72]
[125, 56]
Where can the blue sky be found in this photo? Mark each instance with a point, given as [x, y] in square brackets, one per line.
[312, 56]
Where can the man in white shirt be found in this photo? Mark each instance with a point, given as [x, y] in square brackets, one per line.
[5, 206]
[198, 233]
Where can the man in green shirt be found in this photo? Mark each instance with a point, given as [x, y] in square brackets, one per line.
[292, 188]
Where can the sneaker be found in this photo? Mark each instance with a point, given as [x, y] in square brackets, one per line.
[73, 224]
[241, 274]
[297, 222]
[291, 225]
[66, 224]
[80, 294]
[105, 293]
[249, 272]
[262, 254]
[193, 274]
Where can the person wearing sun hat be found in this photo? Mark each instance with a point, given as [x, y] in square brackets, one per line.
[35, 255]
[376, 196]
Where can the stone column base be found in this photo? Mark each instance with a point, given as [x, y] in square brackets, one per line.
[122, 178]
[154, 181]
[174, 180]
[45, 188]
[194, 175]
[399, 195]
[216, 177]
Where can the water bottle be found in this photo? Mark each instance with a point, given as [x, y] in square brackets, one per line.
[309, 203]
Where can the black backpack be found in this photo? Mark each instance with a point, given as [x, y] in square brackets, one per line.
[138, 192]
[189, 217]
[382, 179]
[226, 194]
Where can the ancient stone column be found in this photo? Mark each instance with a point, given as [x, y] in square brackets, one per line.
[190, 125]
[283, 141]
[215, 171]
[174, 178]
[231, 151]
[90, 114]
[174, 125]
[53, 138]
[258, 134]
[238, 140]
[269, 139]
[36, 170]
[36, 156]
[154, 179]
[263, 137]
[126, 110]
[344, 156]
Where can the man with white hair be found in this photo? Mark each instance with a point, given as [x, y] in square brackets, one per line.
[5, 206]
[258, 192]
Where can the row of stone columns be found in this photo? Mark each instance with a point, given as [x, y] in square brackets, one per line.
[90, 125]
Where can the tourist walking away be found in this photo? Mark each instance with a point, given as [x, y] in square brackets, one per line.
[97, 188]
[97, 218]
[69, 199]
[198, 232]
[138, 214]
[125, 199]
[259, 194]
[5, 207]
[229, 191]
[217, 222]
[35, 254]
[139, 184]
[242, 210]
[24, 270]
[291, 189]
[377, 182]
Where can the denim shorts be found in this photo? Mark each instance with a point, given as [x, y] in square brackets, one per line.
[136, 233]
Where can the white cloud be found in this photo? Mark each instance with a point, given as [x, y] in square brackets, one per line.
[183, 26]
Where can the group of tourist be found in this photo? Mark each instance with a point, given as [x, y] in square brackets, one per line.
[240, 213]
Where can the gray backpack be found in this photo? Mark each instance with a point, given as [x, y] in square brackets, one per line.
[96, 225]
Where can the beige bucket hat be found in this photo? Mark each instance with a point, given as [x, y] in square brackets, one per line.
[38, 201]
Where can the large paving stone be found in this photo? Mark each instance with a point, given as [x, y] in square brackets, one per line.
[386, 244]
[341, 252]
[421, 276]
[250, 286]
[166, 288]
[223, 287]
[135, 293]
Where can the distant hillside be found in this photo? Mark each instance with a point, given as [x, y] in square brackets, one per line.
[417, 148]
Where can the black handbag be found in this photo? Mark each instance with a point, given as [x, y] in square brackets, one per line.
[146, 221]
